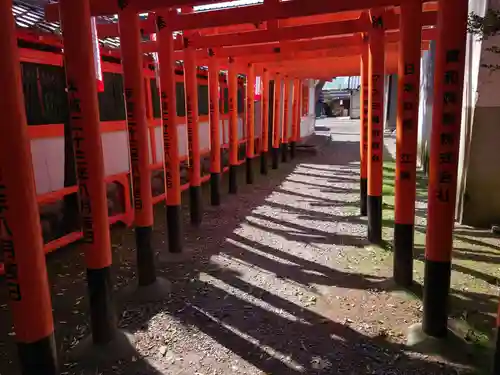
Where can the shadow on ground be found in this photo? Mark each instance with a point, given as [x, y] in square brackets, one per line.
[260, 291]
[476, 255]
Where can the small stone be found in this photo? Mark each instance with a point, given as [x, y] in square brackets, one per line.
[163, 350]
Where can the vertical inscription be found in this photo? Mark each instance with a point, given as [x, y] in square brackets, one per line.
[7, 244]
[450, 123]
[134, 148]
[81, 156]
[167, 139]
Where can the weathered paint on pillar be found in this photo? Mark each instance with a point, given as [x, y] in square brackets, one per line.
[193, 128]
[375, 127]
[446, 121]
[215, 143]
[363, 142]
[24, 259]
[250, 122]
[265, 122]
[407, 138]
[138, 137]
[232, 82]
[276, 120]
[170, 133]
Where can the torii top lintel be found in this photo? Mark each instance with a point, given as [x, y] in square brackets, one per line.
[253, 14]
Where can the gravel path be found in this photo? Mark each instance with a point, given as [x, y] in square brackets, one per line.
[279, 282]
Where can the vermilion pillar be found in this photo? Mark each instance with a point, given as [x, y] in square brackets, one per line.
[265, 122]
[302, 103]
[215, 134]
[295, 117]
[191, 91]
[135, 100]
[170, 133]
[276, 121]
[375, 128]
[85, 130]
[407, 138]
[363, 144]
[232, 82]
[286, 114]
[250, 122]
[445, 137]
[21, 242]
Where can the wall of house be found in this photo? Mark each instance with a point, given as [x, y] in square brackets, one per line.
[478, 201]
[355, 110]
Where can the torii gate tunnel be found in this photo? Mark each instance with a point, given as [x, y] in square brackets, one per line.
[283, 42]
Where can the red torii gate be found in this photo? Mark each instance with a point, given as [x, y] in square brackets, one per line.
[37, 348]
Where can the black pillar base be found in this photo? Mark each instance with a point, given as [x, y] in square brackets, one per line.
[374, 208]
[249, 170]
[293, 149]
[174, 229]
[233, 179]
[436, 292]
[39, 357]
[102, 310]
[146, 271]
[263, 163]
[158, 291]
[215, 189]
[195, 205]
[275, 153]
[363, 196]
[403, 254]
[90, 355]
[284, 152]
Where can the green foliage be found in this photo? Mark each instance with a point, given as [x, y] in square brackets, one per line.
[483, 28]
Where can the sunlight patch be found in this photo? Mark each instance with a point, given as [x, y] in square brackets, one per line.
[265, 348]
[246, 297]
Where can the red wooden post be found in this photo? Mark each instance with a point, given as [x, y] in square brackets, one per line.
[277, 120]
[407, 138]
[215, 130]
[363, 143]
[265, 123]
[21, 240]
[170, 133]
[443, 165]
[375, 127]
[250, 122]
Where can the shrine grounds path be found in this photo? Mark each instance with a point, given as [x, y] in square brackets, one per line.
[279, 281]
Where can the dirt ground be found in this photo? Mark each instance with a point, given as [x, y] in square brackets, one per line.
[278, 281]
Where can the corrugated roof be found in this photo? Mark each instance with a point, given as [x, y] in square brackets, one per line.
[226, 4]
[30, 14]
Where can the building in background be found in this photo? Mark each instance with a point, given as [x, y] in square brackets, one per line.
[341, 97]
